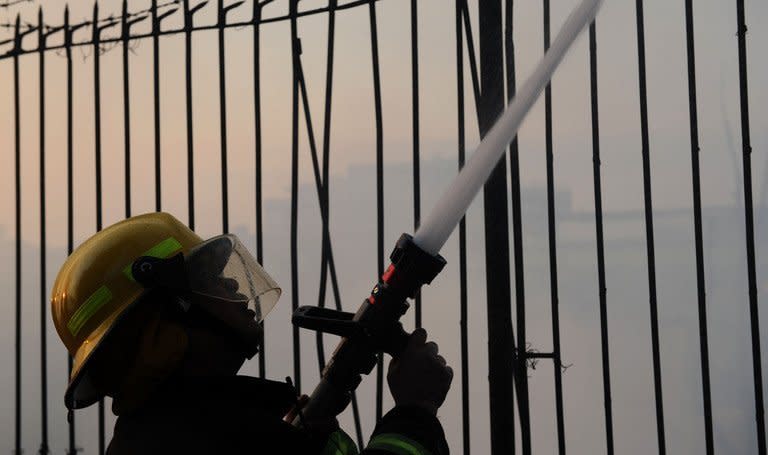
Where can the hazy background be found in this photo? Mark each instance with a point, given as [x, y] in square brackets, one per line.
[353, 214]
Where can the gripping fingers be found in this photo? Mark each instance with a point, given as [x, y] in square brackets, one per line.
[418, 338]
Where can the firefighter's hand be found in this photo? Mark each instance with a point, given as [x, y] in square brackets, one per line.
[419, 376]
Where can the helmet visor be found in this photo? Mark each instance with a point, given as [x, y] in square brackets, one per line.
[224, 269]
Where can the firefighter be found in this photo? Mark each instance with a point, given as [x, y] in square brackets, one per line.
[161, 321]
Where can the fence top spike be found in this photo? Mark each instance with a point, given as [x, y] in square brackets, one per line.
[40, 30]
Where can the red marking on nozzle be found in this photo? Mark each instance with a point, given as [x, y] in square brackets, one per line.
[388, 273]
[371, 300]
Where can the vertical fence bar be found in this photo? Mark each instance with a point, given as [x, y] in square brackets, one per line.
[471, 48]
[41, 35]
[463, 313]
[651, 252]
[697, 227]
[295, 52]
[326, 179]
[746, 144]
[188, 26]
[500, 344]
[320, 186]
[221, 25]
[321, 194]
[156, 32]
[156, 93]
[321, 189]
[126, 109]
[257, 152]
[17, 173]
[125, 35]
[324, 194]
[415, 132]
[379, 183]
[96, 38]
[552, 234]
[72, 448]
[517, 238]
[327, 261]
[599, 240]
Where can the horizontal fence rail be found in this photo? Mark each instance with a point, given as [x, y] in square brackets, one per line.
[486, 77]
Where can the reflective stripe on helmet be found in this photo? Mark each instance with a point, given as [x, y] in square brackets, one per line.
[103, 295]
[339, 443]
[92, 304]
[397, 444]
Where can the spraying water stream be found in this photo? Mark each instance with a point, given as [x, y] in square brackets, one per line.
[452, 205]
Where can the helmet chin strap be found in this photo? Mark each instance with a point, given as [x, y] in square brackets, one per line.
[200, 314]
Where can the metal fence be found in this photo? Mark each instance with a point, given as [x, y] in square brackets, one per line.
[492, 84]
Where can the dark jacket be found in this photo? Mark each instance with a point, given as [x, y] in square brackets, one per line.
[241, 414]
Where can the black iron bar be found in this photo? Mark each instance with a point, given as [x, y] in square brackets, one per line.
[41, 38]
[126, 36]
[68, 32]
[500, 344]
[322, 187]
[97, 149]
[188, 28]
[520, 365]
[749, 222]
[96, 40]
[552, 225]
[72, 448]
[324, 194]
[258, 162]
[318, 178]
[17, 172]
[295, 52]
[463, 313]
[651, 252]
[541, 355]
[156, 101]
[599, 239]
[697, 227]
[380, 258]
[471, 52]
[8, 3]
[156, 22]
[126, 108]
[415, 134]
[177, 31]
[222, 20]
[18, 51]
[319, 181]
[324, 216]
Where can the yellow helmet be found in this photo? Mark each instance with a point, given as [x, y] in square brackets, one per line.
[95, 287]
